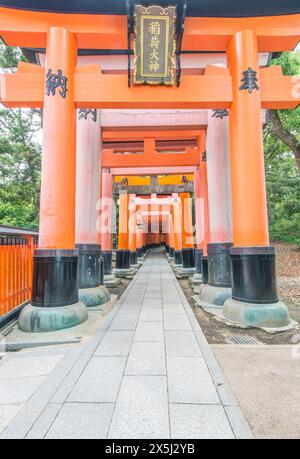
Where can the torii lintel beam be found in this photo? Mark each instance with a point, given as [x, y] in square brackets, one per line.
[26, 88]
[190, 157]
[170, 134]
[152, 170]
[96, 31]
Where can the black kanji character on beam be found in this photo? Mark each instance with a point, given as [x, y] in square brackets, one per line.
[124, 181]
[84, 112]
[184, 180]
[220, 113]
[204, 156]
[54, 81]
[249, 81]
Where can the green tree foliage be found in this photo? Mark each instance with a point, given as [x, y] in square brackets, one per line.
[282, 154]
[20, 158]
[283, 189]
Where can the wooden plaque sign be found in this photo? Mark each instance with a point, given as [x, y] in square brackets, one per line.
[154, 45]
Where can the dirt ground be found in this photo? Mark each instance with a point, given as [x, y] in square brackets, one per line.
[288, 274]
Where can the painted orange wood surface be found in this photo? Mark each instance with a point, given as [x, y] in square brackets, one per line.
[16, 263]
[27, 28]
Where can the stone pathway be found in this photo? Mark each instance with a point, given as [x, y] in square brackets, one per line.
[147, 373]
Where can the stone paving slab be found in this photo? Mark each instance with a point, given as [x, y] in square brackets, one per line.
[28, 366]
[142, 409]
[146, 358]
[149, 331]
[7, 413]
[100, 381]
[82, 421]
[18, 390]
[181, 344]
[115, 343]
[148, 372]
[199, 421]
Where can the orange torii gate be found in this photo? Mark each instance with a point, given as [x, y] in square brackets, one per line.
[62, 86]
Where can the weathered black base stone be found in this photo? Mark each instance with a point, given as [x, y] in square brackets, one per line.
[133, 258]
[171, 252]
[198, 260]
[188, 258]
[219, 265]
[204, 270]
[178, 257]
[139, 252]
[122, 259]
[107, 259]
[89, 271]
[55, 278]
[254, 301]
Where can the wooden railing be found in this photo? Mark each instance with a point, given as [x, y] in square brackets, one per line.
[16, 264]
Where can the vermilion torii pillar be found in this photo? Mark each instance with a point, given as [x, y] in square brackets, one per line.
[55, 304]
[171, 233]
[88, 184]
[132, 229]
[202, 220]
[218, 289]
[123, 252]
[106, 219]
[188, 247]
[254, 299]
[177, 229]
[139, 233]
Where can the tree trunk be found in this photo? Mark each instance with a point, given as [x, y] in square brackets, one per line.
[285, 136]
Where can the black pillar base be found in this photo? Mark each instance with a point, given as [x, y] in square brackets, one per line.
[101, 271]
[122, 259]
[254, 275]
[171, 252]
[204, 270]
[55, 301]
[55, 278]
[133, 258]
[107, 261]
[219, 266]
[167, 249]
[188, 258]
[198, 260]
[254, 301]
[89, 271]
[139, 252]
[178, 257]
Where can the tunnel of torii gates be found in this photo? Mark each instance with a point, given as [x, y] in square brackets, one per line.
[209, 125]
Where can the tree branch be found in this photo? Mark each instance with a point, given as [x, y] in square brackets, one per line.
[284, 135]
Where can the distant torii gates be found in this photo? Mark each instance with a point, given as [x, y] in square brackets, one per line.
[62, 87]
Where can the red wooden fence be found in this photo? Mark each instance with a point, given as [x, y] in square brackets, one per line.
[16, 263]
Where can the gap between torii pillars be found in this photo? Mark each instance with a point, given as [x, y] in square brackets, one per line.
[55, 303]
[254, 300]
[88, 186]
[218, 289]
